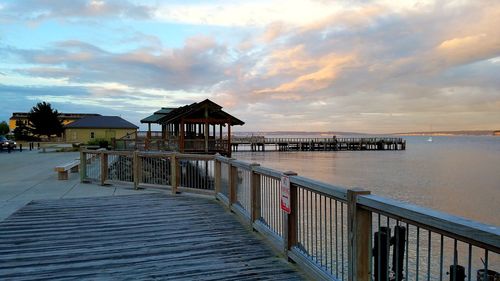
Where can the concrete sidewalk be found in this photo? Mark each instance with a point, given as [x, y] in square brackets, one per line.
[30, 175]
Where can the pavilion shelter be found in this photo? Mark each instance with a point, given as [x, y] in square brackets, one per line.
[201, 127]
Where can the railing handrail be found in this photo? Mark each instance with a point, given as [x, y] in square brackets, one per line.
[333, 191]
[268, 172]
[476, 233]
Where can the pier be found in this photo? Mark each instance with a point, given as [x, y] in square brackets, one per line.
[212, 217]
[133, 237]
[315, 144]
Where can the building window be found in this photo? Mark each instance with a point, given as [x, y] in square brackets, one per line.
[91, 135]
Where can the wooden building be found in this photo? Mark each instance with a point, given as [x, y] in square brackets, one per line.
[201, 127]
[93, 128]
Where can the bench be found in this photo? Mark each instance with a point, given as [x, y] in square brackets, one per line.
[62, 170]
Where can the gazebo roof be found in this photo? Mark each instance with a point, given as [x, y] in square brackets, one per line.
[157, 115]
[197, 111]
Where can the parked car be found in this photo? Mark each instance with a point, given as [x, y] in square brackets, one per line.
[6, 143]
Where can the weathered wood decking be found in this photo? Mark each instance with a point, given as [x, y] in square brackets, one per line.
[134, 237]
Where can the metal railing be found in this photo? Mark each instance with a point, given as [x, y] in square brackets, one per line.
[333, 233]
[168, 170]
[336, 233]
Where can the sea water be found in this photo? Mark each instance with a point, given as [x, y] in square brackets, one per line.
[459, 175]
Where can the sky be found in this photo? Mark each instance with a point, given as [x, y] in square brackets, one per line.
[302, 65]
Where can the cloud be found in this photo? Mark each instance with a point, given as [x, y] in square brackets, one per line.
[359, 65]
[39, 10]
[245, 13]
[199, 64]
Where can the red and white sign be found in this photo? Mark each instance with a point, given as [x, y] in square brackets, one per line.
[285, 194]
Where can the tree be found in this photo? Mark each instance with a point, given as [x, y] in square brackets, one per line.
[22, 131]
[4, 128]
[44, 121]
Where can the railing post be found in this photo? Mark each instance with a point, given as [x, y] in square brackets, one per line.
[83, 165]
[173, 172]
[217, 175]
[233, 179]
[359, 238]
[290, 220]
[135, 165]
[254, 193]
[104, 167]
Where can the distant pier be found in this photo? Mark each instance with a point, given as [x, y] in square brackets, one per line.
[316, 144]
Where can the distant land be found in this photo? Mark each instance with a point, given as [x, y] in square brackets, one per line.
[332, 133]
[450, 133]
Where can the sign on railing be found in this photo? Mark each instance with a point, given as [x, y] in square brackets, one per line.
[285, 194]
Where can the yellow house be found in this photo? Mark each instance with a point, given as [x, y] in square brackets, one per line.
[98, 128]
[65, 118]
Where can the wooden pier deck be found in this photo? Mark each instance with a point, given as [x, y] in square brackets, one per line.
[134, 237]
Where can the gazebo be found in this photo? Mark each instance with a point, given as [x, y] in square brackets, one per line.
[196, 128]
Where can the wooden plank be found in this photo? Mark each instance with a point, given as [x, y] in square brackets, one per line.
[134, 237]
[359, 237]
[255, 194]
[475, 233]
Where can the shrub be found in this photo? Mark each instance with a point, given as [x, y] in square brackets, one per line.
[103, 143]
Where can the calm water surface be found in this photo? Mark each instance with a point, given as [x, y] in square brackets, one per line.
[457, 175]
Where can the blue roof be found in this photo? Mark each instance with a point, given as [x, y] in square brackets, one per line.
[102, 122]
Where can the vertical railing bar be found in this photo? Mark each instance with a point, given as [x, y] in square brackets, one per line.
[331, 236]
[304, 220]
[272, 209]
[309, 248]
[469, 272]
[336, 241]
[441, 258]
[275, 215]
[299, 217]
[269, 199]
[316, 226]
[342, 236]
[407, 251]
[277, 209]
[321, 229]
[263, 197]
[417, 260]
[429, 256]
[485, 274]
[455, 260]
[279, 215]
[267, 196]
[396, 246]
[379, 242]
[388, 245]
